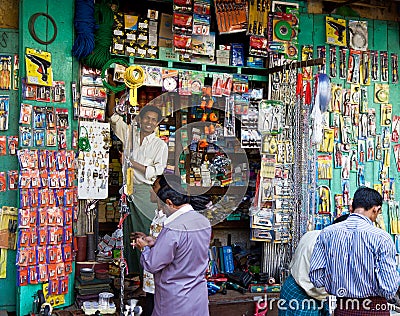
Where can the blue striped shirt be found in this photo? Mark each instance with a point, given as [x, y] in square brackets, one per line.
[355, 259]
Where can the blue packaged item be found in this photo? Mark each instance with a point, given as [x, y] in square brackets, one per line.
[237, 54]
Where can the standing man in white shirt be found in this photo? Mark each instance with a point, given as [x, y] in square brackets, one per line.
[147, 155]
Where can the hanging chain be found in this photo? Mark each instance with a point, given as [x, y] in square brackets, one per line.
[124, 212]
[298, 164]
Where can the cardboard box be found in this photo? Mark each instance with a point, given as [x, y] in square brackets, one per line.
[223, 61]
[164, 42]
[223, 53]
[166, 26]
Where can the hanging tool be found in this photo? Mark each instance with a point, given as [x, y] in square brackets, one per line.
[134, 78]
[339, 29]
[43, 65]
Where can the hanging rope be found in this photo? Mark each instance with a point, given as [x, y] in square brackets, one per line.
[106, 65]
[85, 26]
[103, 36]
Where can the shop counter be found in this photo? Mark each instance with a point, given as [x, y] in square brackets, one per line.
[234, 303]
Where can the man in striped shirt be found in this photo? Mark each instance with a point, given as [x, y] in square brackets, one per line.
[355, 261]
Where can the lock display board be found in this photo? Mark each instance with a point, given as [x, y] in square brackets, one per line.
[94, 140]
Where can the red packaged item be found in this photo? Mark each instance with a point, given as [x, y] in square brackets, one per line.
[34, 161]
[70, 160]
[25, 179]
[51, 254]
[68, 267]
[59, 216]
[61, 160]
[182, 41]
[42, 254]
[32, 258]
[33, 238]
[59, 235]
[67, 215]
[53, 286]
[44, 197]
[35, 178]
[22, 257]
[67, 252]
[33, 218]
[52, 271]
[42, 156]
[12, 145]
[55, 235]
[13, 179]
[34, 197]
[69, 197]
[24, 237]
[59, 254]
[67, 234]
[23, 218]
[24, 199]
[52, 198]
[51, 160]
[63, 286]
[3, 145]
[33, 276]
[44, 178]
[62, 178]
[42, 273]
[42, 231]
[42, 217]
[60, 270]
[51, 217]
[59, 194]
[22, 276]
[53, 179]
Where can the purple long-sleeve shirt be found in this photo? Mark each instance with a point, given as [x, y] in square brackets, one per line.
[179, 260]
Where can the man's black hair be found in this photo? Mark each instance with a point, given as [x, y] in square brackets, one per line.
[341, 218]
[171, 188]
[169, 191]
[151, 108]
[366, 198]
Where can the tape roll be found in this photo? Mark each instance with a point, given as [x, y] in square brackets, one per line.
[382, 95]
[271, 280]
[283, 30]
[291, 50]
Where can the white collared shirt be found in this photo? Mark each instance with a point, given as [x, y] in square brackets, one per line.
[184, 209]
[152, 153]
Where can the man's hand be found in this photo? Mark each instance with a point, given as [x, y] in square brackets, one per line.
[140, 240]
[135, 235]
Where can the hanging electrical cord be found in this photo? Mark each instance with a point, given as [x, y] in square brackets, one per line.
[85, 26]
[103, 36]
[109, 62]
[83, 141]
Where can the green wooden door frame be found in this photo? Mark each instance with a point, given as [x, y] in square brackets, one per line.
[9, 46]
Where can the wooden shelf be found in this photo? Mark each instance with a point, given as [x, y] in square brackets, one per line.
[217, 190]
[108, 226]
[242, 224]
[254, 74]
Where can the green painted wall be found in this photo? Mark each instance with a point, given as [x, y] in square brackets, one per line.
[382, 36]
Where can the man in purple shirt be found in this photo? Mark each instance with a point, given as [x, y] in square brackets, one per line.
[179, 257]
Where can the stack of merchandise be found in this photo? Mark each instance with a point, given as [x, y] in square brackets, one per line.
[88, 286]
